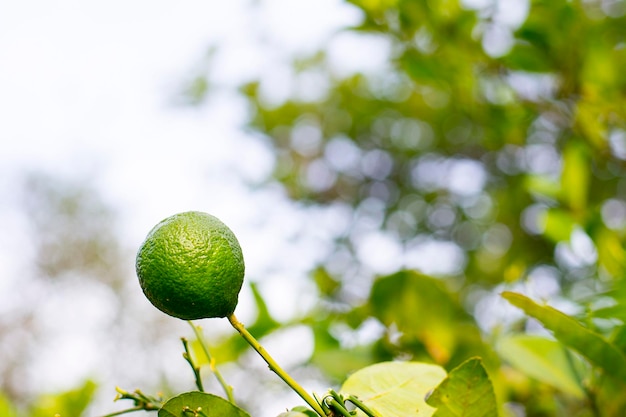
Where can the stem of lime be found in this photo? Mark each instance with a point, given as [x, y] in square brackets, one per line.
[274, 366]
[205, 348]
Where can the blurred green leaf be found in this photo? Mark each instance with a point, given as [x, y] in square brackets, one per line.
[611, 254]
[545, 360]
[421, 307]
[7, 409]
[542, 185]
[575, 175]
[326, 283]
[526, 57]
[70, 403]
[593, 346]
[395, 389]
[466, 392]
[338, 362]
[558, 225]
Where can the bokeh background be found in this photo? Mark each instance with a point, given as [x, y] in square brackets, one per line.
[478, 144]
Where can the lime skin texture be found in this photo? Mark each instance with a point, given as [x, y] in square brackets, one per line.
[191, 266]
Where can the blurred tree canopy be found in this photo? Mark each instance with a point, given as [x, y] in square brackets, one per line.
[516, 158]
[487, 153]
[492, 143]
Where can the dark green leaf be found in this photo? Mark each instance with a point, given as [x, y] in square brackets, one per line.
[466, 392]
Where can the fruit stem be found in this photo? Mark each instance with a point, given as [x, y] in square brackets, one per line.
[205, 348]
[274, 366]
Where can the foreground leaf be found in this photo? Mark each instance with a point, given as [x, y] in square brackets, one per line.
[571, 333]
[466, 392]
[189, 404]
[544, 360]
[395, 389]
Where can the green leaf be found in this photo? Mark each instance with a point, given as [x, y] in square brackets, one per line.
[466, 392]
[571, 333]
[542, 185]
[611, 254]
[7, 409]
[575, 175]
[395, 389]
[559, 225]
[69, 403]
[543, 359]
[526, 57]
[188, 403]
[422, 308]
[326, 283]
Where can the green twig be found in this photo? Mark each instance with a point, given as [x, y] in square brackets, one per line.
[359, 404]
[205, 348]
[141, 400]
[195, 368]
[335, 405]
[274, 365]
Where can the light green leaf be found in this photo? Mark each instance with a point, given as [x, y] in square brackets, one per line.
[575, 175]
[7, 409]
[540, 184]
[188, 403]
[571, 333]
[466, 392]
[559, 225]
[544, 360]
[395, 389]
[68, 403]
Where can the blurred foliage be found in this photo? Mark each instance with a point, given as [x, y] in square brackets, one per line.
[73, 257]
[73, 402]
[70, 403]
[68, 251]
[498, 135]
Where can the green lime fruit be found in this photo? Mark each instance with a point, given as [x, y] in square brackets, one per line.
[191, 266]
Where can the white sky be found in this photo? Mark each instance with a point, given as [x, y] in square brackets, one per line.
[86, 90]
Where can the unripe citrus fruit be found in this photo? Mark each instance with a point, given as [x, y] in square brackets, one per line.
[190, 266]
